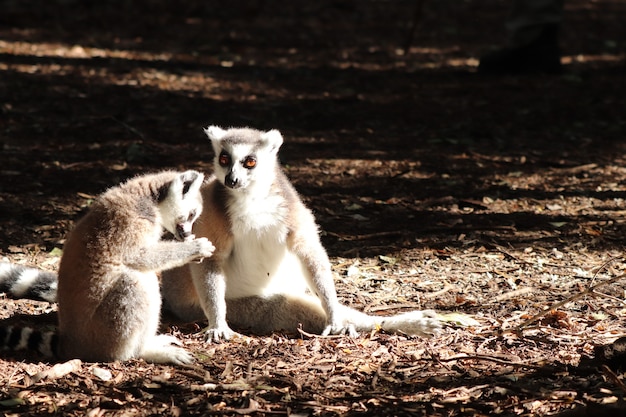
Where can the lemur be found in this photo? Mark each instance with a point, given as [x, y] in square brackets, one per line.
[269, 271]
[108, 291]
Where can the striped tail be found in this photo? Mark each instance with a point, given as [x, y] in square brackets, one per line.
[26, 338]
[19, 281]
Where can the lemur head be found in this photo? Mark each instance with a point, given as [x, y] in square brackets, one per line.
[181, 203]
[244, 157]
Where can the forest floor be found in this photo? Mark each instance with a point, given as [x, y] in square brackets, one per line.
[497, 201]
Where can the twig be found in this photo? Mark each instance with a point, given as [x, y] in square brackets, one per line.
[513, 257]
[514, 293]
[368, 236]
[128, 127]
[490, 359]
[477, 358]
[603, 266]
[610, 297]
[193, 375]
[318, 336]
[417, 17]
[447, 287]
[576, 169]
[424, 231]
[392, 307]
[588, 291]
[611, 375]
[11, 376]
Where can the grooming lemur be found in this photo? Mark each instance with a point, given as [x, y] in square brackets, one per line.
[108, 289]
[269, 270]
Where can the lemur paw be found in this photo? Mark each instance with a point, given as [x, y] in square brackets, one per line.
[341, 329]
[205, 248]
[219, 334]
[161, 349]
[179, 356]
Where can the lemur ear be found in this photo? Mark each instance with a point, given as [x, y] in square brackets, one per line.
[188, 181]
[273, 138]
[215, 132]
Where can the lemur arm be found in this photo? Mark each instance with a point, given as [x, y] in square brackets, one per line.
[169, 254]
[211, 288]
[305, 243]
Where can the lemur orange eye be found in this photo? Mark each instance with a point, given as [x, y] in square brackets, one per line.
[224, 159]
[249, 162]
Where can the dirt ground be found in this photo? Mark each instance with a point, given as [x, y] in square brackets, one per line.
[497, 201]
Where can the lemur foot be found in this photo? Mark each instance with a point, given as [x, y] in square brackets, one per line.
[161, 349]
[219, 334]
[341, 329]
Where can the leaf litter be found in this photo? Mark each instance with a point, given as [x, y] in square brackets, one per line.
[434, 189]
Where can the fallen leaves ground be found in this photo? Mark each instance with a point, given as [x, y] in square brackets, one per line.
[499, 202]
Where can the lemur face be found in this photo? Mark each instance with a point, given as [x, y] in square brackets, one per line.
[237, 164]
[244, 157]
[182, 204]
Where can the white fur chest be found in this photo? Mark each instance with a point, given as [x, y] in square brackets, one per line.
[260, 262]
[260, 215]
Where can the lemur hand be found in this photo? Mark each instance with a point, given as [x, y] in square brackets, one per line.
[204, 248]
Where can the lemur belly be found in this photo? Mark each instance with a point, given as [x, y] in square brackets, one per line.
[262, 265]
[260, 262]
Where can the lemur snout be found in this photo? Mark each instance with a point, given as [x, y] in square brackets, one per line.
[181, 233]
[231, 181]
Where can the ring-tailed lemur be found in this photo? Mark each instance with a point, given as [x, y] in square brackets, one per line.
[269, 270]
[108, 289]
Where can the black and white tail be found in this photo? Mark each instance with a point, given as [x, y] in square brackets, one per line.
[26, 338]
[19, 281]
